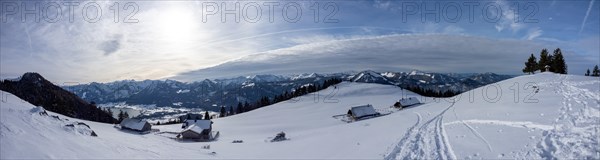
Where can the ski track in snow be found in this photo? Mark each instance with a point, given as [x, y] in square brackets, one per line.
[472, 130]
[572, 135]
[516, 124]
[402, 143]
[429, 141]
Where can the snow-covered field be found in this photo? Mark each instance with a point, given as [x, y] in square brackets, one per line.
[502, 120]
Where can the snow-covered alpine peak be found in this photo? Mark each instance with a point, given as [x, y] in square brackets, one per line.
[369, 76]
[306, 76]
[265, 78]
[418, 73]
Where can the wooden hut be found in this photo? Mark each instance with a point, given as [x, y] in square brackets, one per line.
[359, 112]
[405, 102]
[135, 125]
[197, 130]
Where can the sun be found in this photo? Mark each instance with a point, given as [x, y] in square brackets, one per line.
[176, 24]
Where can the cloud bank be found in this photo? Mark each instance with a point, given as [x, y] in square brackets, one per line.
[428, 52]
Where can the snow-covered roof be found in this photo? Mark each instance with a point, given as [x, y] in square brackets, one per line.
[198, 126]
[409, 101]
[194, 128]
[136, 124]
[365, 110]
[203, 124]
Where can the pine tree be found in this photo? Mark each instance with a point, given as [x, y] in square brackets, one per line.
[558, 62]
[206, 116]
[222, 111]
[530, 65]
[110, 112]
[120, 116]
[158, 123]
[239, 108]
[231, 112]
[587, 73]
[246, 107]
[550, 59]
[596, 71]
[543, 60]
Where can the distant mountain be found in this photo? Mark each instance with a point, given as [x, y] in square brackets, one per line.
[369, 77]
[443, 81]
[211, 94]
[33, 88]
[206, 94]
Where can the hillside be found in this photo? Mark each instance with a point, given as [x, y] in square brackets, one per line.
[556, 119]
[35, 89]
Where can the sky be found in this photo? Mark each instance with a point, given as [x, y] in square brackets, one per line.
[103, 41]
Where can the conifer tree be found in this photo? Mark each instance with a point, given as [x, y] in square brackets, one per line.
[222, 111]
[206, 116]
[109, 111]
[558, 62]
[596, 71]
[530, 65]
[120, 116]
[543, 60]
[239, 108]
[587, 73]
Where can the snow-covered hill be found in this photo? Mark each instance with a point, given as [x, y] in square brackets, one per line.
[531, 117]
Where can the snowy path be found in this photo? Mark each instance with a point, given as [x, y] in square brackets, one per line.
[572, 135]
[428, 141]
[575, 131]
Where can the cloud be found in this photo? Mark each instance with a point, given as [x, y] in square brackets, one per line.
[428, 52]
[383, 4]
[111, 46]
[507, 17]
[452, 29]
[533, 33]
[160, 46]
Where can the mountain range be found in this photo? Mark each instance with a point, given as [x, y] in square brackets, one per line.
[212, 94]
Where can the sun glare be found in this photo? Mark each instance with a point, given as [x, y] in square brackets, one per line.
[176, 24]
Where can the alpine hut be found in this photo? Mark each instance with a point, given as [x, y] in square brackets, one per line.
[363, 111]
[197, 130]
[135, 125]
[405, 102]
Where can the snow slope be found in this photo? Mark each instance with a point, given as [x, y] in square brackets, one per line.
[563, 123]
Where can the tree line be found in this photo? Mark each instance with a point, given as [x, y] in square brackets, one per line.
[120, 117]
[548, 62]
[430, 92]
